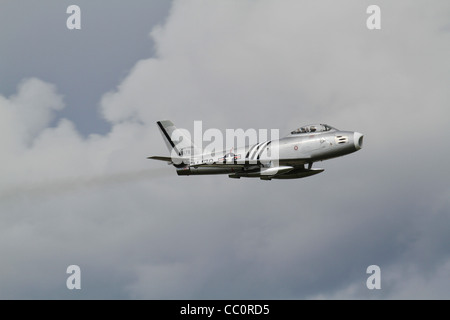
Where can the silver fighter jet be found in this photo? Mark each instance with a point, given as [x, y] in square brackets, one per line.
[290, 157]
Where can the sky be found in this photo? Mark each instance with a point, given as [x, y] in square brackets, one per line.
[78, 112]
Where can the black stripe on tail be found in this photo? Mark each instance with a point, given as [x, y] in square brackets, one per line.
[165, 134]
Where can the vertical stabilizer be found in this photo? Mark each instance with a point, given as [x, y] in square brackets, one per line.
[178, 141]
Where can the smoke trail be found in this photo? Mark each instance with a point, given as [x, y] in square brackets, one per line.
[78, 183]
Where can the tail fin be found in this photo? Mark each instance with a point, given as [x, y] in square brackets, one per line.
[177, 140]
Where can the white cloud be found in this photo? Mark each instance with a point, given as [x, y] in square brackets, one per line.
[27, 113]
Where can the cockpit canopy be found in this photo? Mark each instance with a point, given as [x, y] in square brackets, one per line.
[313, 128]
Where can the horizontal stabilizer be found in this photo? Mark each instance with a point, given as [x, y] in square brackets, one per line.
[167, 159]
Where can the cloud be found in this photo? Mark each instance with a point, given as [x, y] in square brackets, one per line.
[69, 199]
[27, 113]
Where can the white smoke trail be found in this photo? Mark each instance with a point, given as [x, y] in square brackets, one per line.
[66, 185]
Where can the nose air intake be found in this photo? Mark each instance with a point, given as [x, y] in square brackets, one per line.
[358, 140]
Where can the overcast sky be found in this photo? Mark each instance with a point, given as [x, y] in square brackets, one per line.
[77, 121]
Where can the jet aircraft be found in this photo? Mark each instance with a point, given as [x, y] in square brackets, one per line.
[294, 158]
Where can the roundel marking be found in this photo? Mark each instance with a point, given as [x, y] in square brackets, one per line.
[295, 148]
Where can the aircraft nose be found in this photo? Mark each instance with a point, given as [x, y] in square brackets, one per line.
[358, 140]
